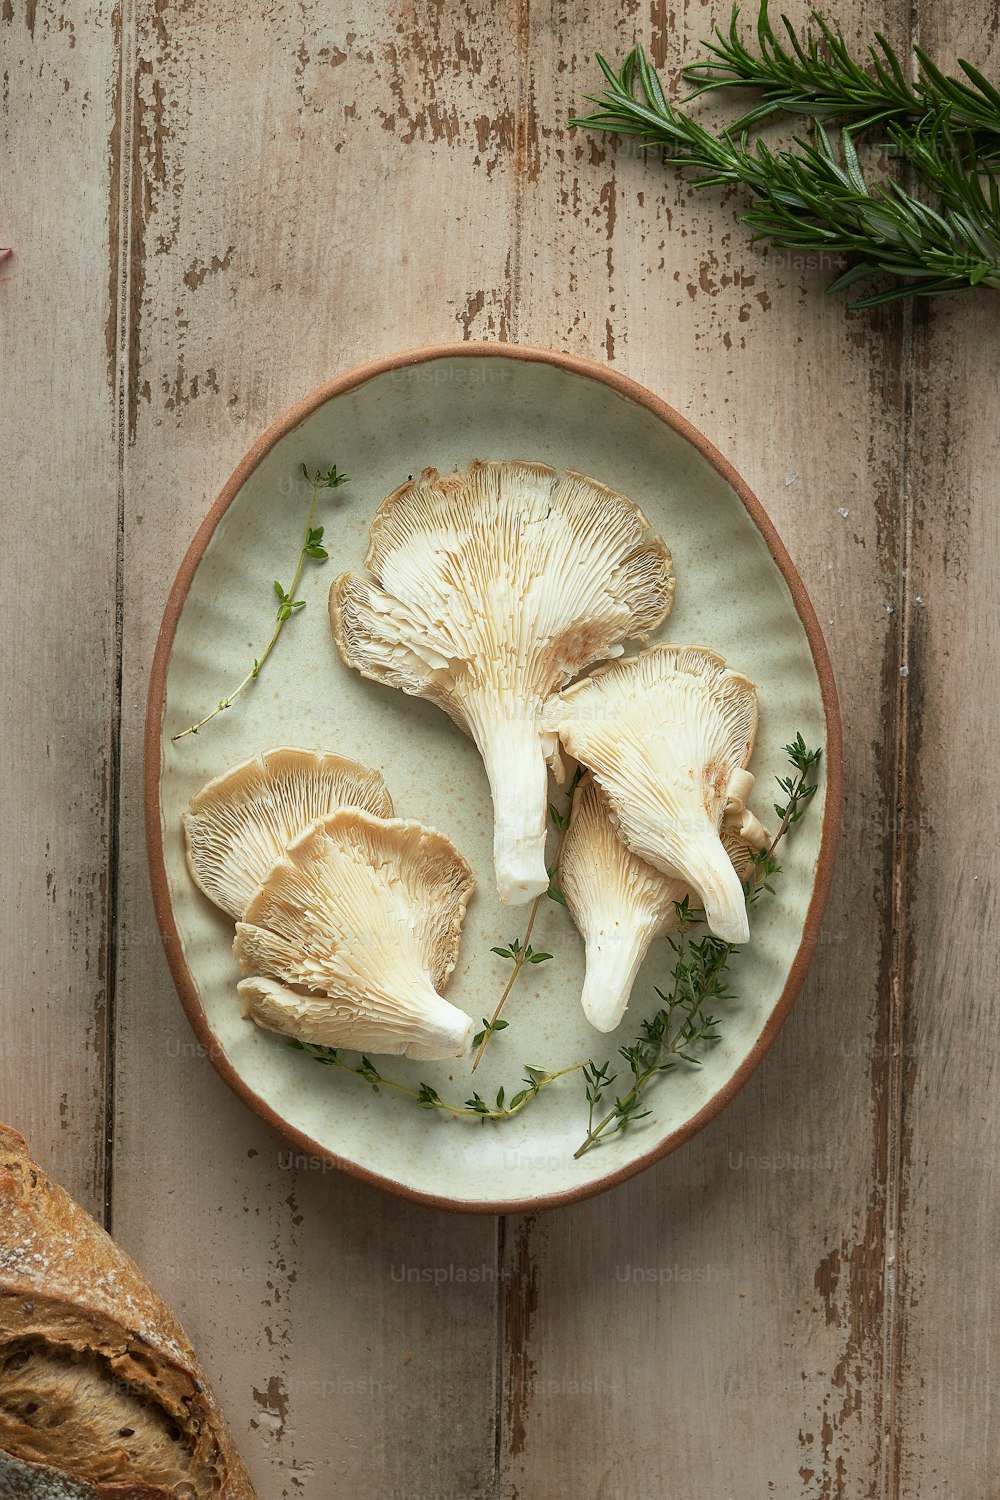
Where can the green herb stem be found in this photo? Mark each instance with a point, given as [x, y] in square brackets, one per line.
[288, 604]
[697, 979]
[520, 950]
[534, 1081]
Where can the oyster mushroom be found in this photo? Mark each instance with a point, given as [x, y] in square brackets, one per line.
[619, 903]
[241, 823]
[491, 589]
[353, 934]
[667, 733]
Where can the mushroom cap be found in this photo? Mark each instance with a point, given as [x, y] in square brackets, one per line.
[664, 732]
[508, 575]
[359, 922]
[241, 822]
[492, 588]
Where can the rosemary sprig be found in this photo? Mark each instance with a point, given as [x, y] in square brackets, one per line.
[818, 77]
[683, 1024]
[312, 546]
[519, 950]
[810, 198]
[535, 1079]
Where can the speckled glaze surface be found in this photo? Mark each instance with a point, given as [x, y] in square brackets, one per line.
[736, 592]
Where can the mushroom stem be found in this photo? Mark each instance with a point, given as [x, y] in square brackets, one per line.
[443, 1030]
[515, 764]
[708, 868]
[614, 957]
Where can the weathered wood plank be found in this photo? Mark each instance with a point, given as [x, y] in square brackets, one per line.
[947, 1441]
[313, 186]
[715, 1328]
[57, 606]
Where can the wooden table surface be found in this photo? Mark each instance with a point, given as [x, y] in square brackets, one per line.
[216, 206]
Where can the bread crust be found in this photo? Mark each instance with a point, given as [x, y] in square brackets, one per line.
[119, 1404]
[25, 1481]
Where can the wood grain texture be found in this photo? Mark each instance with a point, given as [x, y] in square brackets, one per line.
[312, 186]
[716, 1327]
[57, 606]
[214, 208]
[947, 1437]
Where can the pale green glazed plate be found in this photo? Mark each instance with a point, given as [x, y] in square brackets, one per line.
[736, 592]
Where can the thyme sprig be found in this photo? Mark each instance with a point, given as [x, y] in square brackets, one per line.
[535, 1079]
[288, 605]
[814, 197]
[519, 950]
[697, 979]
[684, 1024]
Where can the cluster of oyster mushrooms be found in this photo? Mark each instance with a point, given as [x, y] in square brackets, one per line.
[347, 918]
[492, 592]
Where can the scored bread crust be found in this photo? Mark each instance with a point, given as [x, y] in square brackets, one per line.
[121, 1406]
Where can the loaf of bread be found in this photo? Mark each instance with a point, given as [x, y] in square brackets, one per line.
[100, 1392]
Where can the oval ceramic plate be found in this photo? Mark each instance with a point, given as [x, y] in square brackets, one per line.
[736, 592]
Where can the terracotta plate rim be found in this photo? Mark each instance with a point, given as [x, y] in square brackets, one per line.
[830, 839]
